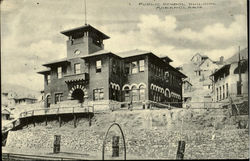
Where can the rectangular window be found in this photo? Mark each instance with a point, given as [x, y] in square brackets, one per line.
[134, 67]
[58, 97]
[223, 88]
[101, 94]
[77, 68]
[59, 72]
[142, 93]
[98, 94]
[167, 76]
[217, 94]
[141, 65]
[48, 78]
[226, 90]
[220, 93]
[126, 95]
[98, 66]
[135, 94]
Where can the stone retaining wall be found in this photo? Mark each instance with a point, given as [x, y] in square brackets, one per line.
[142, 141]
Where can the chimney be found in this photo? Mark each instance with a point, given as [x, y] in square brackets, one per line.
[221, 59]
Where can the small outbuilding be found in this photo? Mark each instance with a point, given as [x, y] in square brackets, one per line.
[5, 114]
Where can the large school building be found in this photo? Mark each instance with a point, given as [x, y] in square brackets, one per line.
[90, 73]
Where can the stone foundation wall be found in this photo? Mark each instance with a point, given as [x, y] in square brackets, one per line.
[146, 143]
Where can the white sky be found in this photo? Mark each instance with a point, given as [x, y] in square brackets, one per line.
[30, 31]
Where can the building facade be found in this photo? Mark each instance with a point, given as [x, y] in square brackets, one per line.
[91, 74]
[229, 81]
[25, 100]
[8, 99]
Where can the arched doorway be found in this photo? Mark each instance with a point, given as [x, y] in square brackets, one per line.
[78, 94]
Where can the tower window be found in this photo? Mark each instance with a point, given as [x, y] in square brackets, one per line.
[141, 65]
[77, 68]
[59, 72]
[48, 78]
[98, 66]
[134, 67]
[97, 42]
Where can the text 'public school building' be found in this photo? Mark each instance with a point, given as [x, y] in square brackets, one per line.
[91, 74]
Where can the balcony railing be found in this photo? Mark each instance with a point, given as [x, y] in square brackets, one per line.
[76, 77]
[55, 111]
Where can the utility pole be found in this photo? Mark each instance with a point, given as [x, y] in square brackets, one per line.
[239, 83]
[85, 12]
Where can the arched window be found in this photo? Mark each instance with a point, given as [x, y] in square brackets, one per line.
[142, 92]
[48, 101]
[167, 93]
[126, 94]
[134, 94]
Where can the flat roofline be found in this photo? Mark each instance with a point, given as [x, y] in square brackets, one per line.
[25, 98]
[166, 57]
[98, 54]
[83, 29]
[64, 60]
[44, 71]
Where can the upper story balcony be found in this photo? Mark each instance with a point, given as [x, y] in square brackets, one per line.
[76, 77]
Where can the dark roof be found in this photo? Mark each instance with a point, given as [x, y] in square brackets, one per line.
[124, 54]
[44, 71]
[244, 67]
[27, 98]
[63, 60]
[206, 60]
[83, 29]
[178, 72]
[166, 58]
[220, 69]
[100, 52]
[131, 53]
